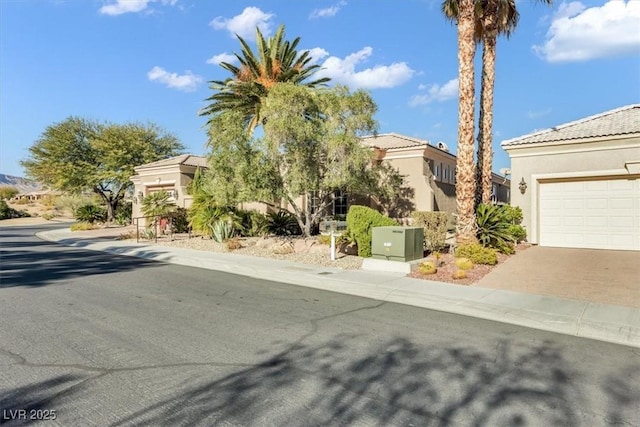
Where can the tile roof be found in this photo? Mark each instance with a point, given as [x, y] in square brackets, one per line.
[390, 141]
[183, 159]
[621, 121]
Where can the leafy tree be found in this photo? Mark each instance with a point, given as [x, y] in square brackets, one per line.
[78, 154]
[310, 147]
[7, 192]
[275, 61]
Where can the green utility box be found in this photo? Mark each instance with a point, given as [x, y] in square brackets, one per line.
[397, 243]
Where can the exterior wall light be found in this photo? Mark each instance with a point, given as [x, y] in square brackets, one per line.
[522, 186]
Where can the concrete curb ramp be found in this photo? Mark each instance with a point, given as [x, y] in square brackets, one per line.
[616, 324]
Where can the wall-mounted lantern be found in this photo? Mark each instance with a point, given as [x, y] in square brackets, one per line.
[522, 186]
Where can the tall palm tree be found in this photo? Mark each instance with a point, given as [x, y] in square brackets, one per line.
[275, 61]
[492, 18]
[464, 12]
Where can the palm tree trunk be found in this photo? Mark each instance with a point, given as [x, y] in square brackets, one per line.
[485, 134]
[465, 176]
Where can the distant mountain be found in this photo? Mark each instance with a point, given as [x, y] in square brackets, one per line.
[22, 184]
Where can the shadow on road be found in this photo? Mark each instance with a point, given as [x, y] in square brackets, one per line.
[31, 264]
[395, 383]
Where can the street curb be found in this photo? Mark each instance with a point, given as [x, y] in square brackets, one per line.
[564, 316]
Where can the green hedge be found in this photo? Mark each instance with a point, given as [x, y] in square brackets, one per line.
[360, 221]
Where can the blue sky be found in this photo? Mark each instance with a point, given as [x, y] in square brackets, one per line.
[150, 60]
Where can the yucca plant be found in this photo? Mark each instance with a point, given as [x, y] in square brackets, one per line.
[493, 228]
[222, 230]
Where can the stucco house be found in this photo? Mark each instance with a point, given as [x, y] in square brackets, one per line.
[578, 183]
[172, 175]
[428, 171]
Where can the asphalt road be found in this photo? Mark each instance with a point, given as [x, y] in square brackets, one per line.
[111, 341]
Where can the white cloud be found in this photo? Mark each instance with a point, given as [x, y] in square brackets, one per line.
[578, 33]
[223, 57]
[245, 24]
[328, 11]
[537, 114]
[317, 54]
[379, 76]
[119, 7]
[187, 82]
[436, 93]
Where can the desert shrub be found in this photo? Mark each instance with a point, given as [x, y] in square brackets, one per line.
[148, 233]
[90, 213]
[324, 239]
[283, 223]
[71, 203]
[459, 274]
[222, 230]
[49, 216]
[493, 228]
[7, 212]
[48, 200]
[512, 214]
[180, 221]
[8, 192]
[252, 223]
[464, 263]
[83, 226]
[427, 267]
[127, 235]
[518, 232]
[435, 228]
[22, 202]
[360, 221]
[203, 216]
[123, 213]
[477, 253]
[233, 244]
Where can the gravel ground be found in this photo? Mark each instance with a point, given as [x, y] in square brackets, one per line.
[320, 256]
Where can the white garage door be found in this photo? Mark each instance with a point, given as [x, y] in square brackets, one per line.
[603, 214]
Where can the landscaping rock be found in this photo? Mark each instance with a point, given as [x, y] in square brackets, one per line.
[303, 246]
[282, 248]
[265, 242]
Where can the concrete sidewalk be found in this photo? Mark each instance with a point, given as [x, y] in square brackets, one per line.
[603, 322]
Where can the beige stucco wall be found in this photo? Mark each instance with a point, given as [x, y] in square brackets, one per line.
[414, 169]
[174, 177]
[576, 160]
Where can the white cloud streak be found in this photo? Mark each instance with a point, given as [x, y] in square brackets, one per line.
[578, 33]
[245, 23]
[223, 57]
[187, 82]
[120, 7]
[343, 70]
[436, 93]
[328, 11]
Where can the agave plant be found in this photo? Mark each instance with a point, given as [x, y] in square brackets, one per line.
[222, 230]
[283, 223]
[493, 228]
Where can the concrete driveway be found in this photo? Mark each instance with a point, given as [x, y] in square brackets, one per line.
[602, 276]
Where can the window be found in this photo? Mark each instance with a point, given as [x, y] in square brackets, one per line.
[314, 202]
[437, 172]
[445, 172]
[340, 203]
[494, 193]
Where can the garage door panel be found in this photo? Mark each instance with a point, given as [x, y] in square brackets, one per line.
[599, 214]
